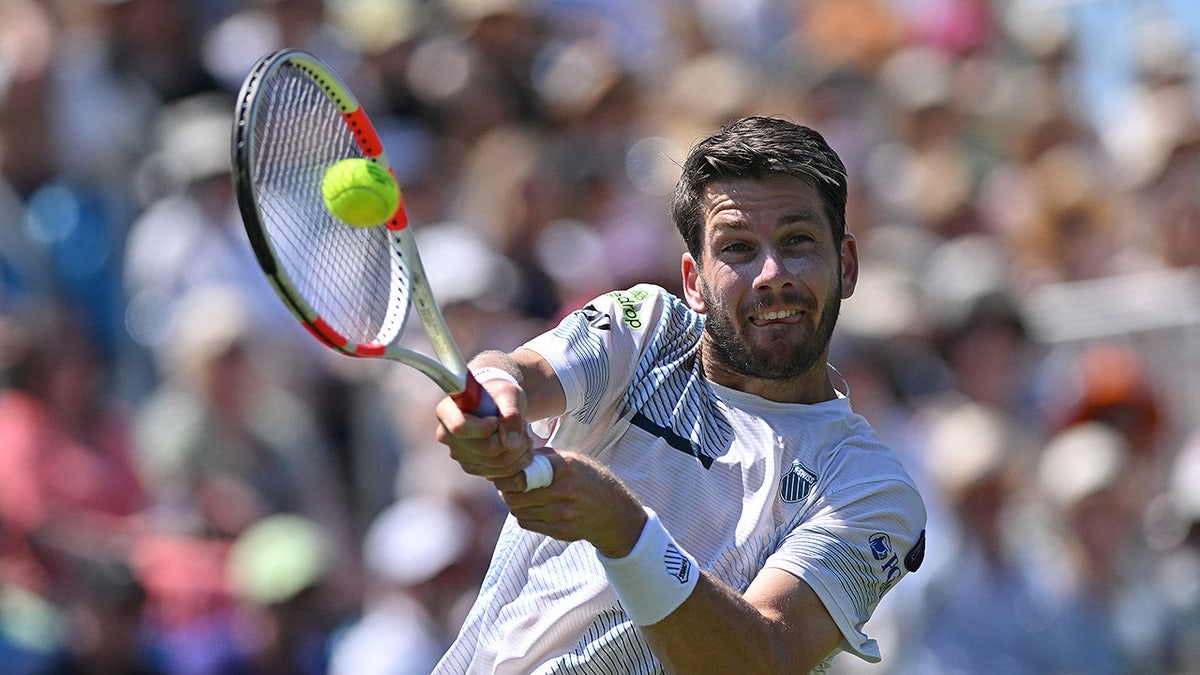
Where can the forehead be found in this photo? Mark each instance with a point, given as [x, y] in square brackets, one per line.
[775, 196]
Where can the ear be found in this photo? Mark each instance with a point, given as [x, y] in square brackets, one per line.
[691, 284]
[849, 255]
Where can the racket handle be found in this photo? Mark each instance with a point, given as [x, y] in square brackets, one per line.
[475, 399]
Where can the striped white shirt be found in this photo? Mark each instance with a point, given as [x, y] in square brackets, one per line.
[821, 496]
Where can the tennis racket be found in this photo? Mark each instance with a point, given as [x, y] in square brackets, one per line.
[351, 287]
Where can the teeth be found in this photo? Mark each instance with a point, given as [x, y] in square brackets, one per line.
[775, 316]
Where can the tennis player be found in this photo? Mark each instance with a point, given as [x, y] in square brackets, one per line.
[716, 505]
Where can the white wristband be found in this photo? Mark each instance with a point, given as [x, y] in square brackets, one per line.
[494, 373]
[655, 578]
[539, 473]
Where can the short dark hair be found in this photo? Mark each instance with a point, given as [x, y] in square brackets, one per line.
[756, 147]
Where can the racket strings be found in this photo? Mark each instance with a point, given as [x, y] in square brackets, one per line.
[351, 277]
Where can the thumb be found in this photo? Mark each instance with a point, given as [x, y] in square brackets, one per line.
[511, 427]
[510, 406]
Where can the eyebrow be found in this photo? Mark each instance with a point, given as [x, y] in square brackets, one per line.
[803, 217]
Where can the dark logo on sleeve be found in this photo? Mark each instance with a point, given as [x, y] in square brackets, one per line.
[881, 546]
[797, 483]
[889, 562]
[597, 319]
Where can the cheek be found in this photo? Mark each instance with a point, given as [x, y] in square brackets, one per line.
[727, 288]
[812, 275]
[801, 268]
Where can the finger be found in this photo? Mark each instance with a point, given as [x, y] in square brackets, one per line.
[506, 395]
[536, 473]
[489, 451]
[545, 520]
[513, 433]
[511, 426]
[448, 414]
[492, 468]
[466, 427]
[531, 525]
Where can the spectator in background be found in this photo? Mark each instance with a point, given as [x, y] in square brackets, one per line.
[1114, 387]
[154, 44]
[62, 214]
[1095, 562]
[222, 439]
[418, 557]
[191, 234]
[225, 445]
[284, 604]
[1177, 573]
[69, 488]
[71, 507]
[282, 572]
[251, 28]
[987, 350]
[981, 610]
[106, 627]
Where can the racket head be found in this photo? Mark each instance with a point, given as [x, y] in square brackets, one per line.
[294, 119]
[350, 286]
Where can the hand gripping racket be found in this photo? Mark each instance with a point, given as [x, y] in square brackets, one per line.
[351, 287]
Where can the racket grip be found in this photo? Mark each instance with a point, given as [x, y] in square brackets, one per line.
[475, 399]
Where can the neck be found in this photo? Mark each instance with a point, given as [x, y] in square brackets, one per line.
[812, 386]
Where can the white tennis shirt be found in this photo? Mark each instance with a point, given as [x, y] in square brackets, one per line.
[821, 496]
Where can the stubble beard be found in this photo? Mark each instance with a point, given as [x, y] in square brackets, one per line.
[768, 362]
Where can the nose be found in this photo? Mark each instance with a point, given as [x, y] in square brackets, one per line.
[774, 273]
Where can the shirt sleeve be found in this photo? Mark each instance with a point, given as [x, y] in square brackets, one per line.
[858, 545]
[600, 351]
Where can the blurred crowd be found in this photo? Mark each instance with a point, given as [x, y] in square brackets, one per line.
[189, 484]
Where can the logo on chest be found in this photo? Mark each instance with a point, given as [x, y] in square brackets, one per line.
[797, 483]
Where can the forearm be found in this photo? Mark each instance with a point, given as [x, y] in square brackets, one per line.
[696, 624]
[716, 631]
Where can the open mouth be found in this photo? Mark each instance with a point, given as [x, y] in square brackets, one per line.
[775, 315]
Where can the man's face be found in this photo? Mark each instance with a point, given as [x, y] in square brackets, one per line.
[771, 279]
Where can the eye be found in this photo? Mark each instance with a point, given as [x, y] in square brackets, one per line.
[799, 239]
[735, 250]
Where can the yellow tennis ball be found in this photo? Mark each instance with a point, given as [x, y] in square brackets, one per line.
[360, 192]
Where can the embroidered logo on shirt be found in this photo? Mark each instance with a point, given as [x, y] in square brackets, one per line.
[881, 546]
[595, 318]
[677, 564]
[881, 550]
[797, 483]
[629, 301]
